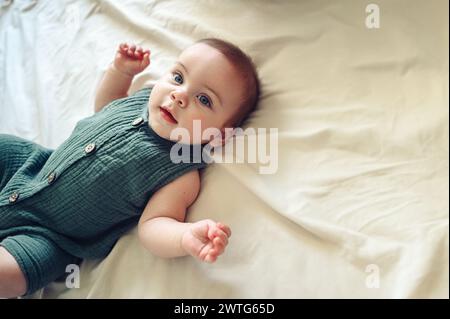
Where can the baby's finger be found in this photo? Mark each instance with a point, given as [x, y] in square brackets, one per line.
[145, 60]
[131, 50]
[141, 51]
[216, 252]
[210, 258]
[203, 253]
[123, 48]
[219, 246]
[222, 235]
[225, 228]
[211, 231]
[224, 239]
[208, 255]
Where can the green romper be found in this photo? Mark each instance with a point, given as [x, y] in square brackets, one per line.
[60, 206]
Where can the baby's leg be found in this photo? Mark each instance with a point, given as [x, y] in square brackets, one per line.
[14, 152]
[12, 280]
[40, 259]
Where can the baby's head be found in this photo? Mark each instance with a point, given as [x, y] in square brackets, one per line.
[212, 81]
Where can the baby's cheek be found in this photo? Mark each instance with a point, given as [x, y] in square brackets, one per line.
[198, 118]
[160, 90]
[155, 95]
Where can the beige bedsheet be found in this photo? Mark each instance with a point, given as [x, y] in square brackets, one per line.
[358, 206]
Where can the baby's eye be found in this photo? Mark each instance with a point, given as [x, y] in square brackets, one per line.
[177, 77]
[204, 100]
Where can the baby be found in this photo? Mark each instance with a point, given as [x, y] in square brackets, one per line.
[60, 206]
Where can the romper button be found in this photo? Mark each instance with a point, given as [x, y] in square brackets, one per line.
[13, 198]
[89, 148]
[51, 178]
[138, 121]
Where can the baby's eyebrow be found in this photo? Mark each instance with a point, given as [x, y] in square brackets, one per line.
[185, 69]
[182, 65]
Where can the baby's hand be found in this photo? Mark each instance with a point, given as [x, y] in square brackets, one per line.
[206, 240]
[130, 59]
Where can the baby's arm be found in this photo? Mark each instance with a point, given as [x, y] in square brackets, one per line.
[129, 61]
[162, 229]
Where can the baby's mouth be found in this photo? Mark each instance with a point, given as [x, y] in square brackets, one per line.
[165, 113]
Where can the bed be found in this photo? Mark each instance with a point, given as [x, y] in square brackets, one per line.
[358, 205]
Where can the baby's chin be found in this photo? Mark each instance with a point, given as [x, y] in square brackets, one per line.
[166, 132]
[182, 134]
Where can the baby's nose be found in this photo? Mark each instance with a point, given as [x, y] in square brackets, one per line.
[179, 99]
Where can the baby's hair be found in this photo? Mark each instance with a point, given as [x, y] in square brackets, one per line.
[246, 68]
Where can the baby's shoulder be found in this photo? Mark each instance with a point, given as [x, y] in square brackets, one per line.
[187, 185]
[190, 181]
[182, 191]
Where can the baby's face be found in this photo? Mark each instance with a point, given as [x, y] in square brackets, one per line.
[201, 85]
